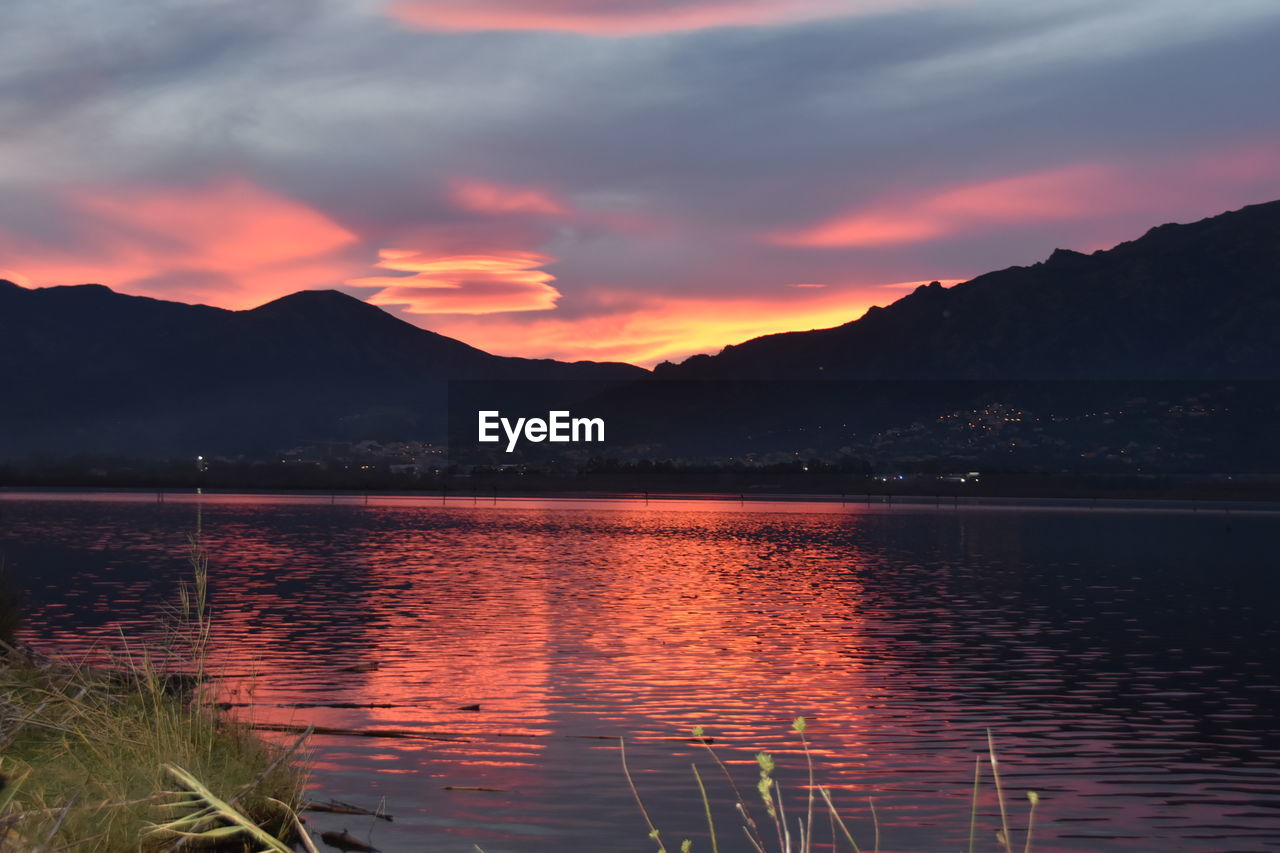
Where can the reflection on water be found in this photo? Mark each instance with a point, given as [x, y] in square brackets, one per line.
[1124, 659]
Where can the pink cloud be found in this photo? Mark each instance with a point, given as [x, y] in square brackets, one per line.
[1081, 192]
[1054, 194]
[228, 242]
[620, 17]
[1249, 162]
[493, 198]
[462, 284]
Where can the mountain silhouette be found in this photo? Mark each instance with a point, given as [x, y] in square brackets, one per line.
[1196, 301]
[89, 371]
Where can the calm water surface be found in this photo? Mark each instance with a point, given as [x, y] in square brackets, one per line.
[1126, 660]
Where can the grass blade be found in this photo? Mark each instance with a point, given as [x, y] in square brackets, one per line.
[706, 804]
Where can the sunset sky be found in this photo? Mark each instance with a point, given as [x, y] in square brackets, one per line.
[631, 180]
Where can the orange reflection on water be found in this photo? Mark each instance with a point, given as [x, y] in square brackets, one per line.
[900, 632]
[648, 627]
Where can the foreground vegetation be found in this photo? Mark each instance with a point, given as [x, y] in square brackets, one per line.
[816, 814]
[134, 756]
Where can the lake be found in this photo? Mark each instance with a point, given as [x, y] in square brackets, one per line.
[1124, 657]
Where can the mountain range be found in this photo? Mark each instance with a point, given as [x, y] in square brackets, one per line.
[91, 371]
[1195, 301]
[88, 370]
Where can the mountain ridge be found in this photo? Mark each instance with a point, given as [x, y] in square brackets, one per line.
[1179, 282]
[90, 370]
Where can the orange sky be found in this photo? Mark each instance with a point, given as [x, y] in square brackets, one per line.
[671, 328]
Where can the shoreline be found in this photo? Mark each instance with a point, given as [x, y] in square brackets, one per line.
[131, 757]
[584, 498]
